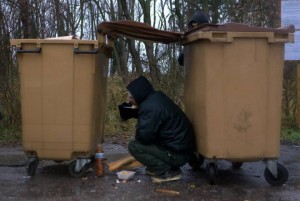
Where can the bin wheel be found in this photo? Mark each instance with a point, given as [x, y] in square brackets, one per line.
[212, 173]
[31, 166]
[282, 176]
[73, 173]
[196, 161]
[236, 165]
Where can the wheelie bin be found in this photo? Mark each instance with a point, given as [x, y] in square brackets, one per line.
[233, 94]
[63, 92]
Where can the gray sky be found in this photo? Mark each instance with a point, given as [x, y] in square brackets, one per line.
[291, 15]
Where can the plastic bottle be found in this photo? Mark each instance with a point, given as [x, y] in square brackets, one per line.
[99, 161]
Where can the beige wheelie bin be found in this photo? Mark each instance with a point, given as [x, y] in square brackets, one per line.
[233, 93]
[63, 91]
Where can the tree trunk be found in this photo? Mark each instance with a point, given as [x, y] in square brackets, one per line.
[136, 60]
[25, 17]
[59, 19]
[154, 71]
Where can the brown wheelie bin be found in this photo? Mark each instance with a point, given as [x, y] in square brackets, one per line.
[233, 94]
[63, 91]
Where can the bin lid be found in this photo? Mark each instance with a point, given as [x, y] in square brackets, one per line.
[228, 31]
[66, 40]
[137, 30]
[17, 42]
[238, 27]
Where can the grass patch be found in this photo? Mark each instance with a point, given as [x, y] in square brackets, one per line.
[290, 134]
[10, 135]
[14, 135]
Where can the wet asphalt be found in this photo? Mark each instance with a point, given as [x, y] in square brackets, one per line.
[53, 182]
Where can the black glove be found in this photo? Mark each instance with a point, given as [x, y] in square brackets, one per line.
[127, 112]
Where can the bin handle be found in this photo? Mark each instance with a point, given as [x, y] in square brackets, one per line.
[36, 50]
[281, 38]
[94, 51]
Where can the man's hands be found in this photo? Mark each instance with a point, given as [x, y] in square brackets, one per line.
[128, 111]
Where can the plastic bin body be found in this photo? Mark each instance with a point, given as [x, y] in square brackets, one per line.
[62, 97]
[233, 93]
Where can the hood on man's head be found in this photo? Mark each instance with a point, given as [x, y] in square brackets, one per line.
[200, 18]
[140, 88]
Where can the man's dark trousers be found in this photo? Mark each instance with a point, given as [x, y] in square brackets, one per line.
[156, 158]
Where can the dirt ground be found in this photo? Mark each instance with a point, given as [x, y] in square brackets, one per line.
[52, 181]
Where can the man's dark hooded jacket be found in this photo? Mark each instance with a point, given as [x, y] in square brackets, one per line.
[160, 120]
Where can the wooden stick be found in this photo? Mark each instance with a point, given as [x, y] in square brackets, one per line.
[134, 164]
[121, 159]
[119, 163]
[171, 192]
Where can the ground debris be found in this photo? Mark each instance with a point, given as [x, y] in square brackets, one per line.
[167, 191]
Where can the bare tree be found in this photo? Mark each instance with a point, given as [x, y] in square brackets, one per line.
[136, 61]
[154, 71]
[256, 13]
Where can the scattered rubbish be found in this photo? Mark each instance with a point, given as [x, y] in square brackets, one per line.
[92, 190]
[170, 192]
[122, 181]
[100, 161]
[90, 170]
[26, 177]
[125, 175]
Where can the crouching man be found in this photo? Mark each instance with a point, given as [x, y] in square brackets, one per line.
[164, 138]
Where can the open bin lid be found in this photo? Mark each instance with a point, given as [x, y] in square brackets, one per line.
[228, 31]
[137, 30]
[214, 32]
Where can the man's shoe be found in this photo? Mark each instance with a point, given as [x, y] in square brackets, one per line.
[171, 175]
